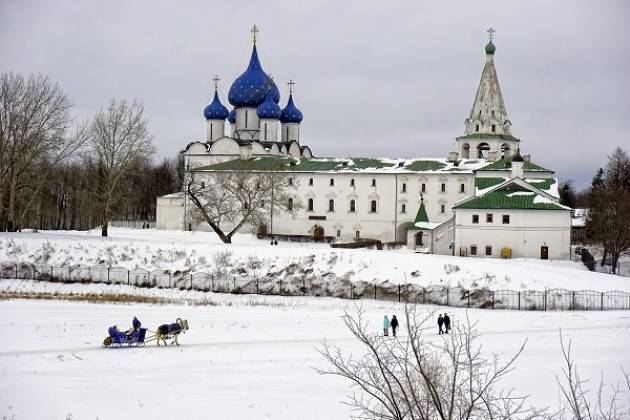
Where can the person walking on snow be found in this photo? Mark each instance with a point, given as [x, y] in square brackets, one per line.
[447, 323]
[385, 326]
[440, 323]
[394, 325]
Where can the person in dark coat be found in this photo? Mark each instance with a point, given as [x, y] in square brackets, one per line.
[394, 325]
[447, 323]
[136, 324]
[440, 323]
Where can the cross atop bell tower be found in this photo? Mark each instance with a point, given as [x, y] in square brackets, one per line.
[254, 32]
[491, 32]
[215, 80]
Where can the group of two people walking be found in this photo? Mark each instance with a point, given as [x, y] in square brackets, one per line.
[387, 324]
[444, 321]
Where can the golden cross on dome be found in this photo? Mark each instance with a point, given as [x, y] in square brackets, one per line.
[290, 83]
[216, 79]
[254, 32]
[491, 32]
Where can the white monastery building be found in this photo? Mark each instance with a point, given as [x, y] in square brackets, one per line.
[483, 200]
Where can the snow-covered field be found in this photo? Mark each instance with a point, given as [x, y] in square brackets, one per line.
[248, 357]
[201, 251]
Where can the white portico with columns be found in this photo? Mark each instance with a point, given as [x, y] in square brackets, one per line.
[427, 204]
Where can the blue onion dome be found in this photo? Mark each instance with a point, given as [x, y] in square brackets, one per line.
[290, 113]
[250, 88]
[216, 110]
[268, 109]
[232, 116]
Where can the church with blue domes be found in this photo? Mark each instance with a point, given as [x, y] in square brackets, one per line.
[485, 199]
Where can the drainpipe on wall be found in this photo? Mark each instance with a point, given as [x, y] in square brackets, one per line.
[396, 209]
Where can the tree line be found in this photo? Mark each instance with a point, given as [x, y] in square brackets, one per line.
[56, 173]
[607, 202]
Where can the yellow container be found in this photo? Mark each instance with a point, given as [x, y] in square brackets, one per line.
[506, 252]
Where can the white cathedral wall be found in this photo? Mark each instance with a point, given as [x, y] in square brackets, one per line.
[387, 222]
[169, 212]
[527, 231]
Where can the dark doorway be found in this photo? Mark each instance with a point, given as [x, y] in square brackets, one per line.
[544, 252]
[419, 239]
[318, 232]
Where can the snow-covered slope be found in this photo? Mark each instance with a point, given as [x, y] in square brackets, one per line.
[200, 251]
[252, 359]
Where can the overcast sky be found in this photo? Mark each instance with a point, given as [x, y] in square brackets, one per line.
[379, 78]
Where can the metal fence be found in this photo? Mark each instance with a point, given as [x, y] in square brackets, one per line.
[554, 299]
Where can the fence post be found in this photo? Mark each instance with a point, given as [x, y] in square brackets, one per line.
[493, 299]
[170, 278]
[128, 278]
[33, 273]
[351, 290]
[233, 284]
[545, 304]
[601, 303]
[107, 275]
[51, 272]
[212, 282]
[399, 293]
[90, 274]
[374, 291]
[447, 296]
[573, 300]
[16, 271]
[519, 300]
[468, 298]
[190, 281]
[303, 287]
[257, 291]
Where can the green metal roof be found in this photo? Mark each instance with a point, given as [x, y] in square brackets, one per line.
[510, 199]
[483, 183]
[488, 136]
[322, 165]
[421, 216]
[506, 164]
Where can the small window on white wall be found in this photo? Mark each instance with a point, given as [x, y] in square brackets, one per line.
[442, 209]
[403, 208]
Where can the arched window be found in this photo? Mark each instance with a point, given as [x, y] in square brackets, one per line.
[265, 131]
[494, 128]
[352, 182]
[443, 187]
[423, 188]
[290, 204]
[477, 127]
[290, 181]
[310, 204]
[353, 206]
[404, 187]
[373, 182]
[481, 149]
[462, 188]
[310, 182]
[505, 151]
[403, 208]
[331, 205]
[332, 182]
[373, 206]
[466, 151]
[442, 209]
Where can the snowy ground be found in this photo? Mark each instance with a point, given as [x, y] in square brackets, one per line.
[200, 251]
[248, 357]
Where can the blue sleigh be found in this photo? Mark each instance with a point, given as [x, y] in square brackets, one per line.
[119, 338]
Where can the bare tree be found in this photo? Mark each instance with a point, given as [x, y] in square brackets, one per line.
[120, 137]
[228, 200]
[418, 379]
[34, 120]
[579, 406]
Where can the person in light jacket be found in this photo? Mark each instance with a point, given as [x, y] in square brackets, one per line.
[385, 326]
